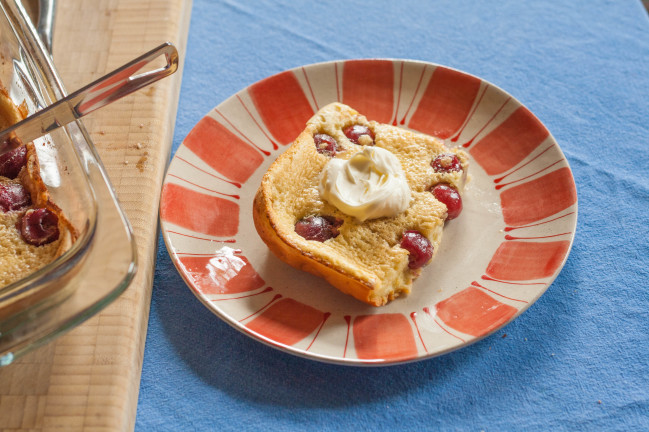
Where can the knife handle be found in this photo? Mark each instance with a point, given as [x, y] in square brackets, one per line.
[107, 89]
[124, 80]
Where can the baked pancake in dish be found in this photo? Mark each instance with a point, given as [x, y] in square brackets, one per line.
[33, 230]
[360, 203]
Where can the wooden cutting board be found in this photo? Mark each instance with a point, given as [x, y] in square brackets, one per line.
[89, 379]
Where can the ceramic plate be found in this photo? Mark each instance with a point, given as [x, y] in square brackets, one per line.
[495, 260]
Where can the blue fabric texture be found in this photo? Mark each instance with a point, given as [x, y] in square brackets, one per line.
[578, 359]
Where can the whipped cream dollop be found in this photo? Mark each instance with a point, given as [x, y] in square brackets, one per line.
[370, 185]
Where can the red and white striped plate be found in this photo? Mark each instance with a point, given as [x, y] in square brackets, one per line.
[496, 259]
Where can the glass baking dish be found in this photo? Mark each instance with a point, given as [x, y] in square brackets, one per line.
[102, 261]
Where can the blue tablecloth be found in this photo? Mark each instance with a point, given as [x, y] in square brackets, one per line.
[578, 359]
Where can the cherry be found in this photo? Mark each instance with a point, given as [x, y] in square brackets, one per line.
[12, 162]
[450, 197]
[325, 144]
[13, 197]
[318, 228]
[419, 248]
[446, 162]
[355, 132]
[39, 226]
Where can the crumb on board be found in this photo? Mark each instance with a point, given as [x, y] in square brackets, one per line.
[141, 164]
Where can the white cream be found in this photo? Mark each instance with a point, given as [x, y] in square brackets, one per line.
[370, 185]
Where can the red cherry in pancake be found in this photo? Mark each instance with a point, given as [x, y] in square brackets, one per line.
[318, 228]
[419, 248]
[39, 226]
[450, 197]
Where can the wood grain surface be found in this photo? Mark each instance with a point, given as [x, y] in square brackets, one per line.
[89, 378]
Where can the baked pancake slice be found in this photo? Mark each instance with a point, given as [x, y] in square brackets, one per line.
[360, 203]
